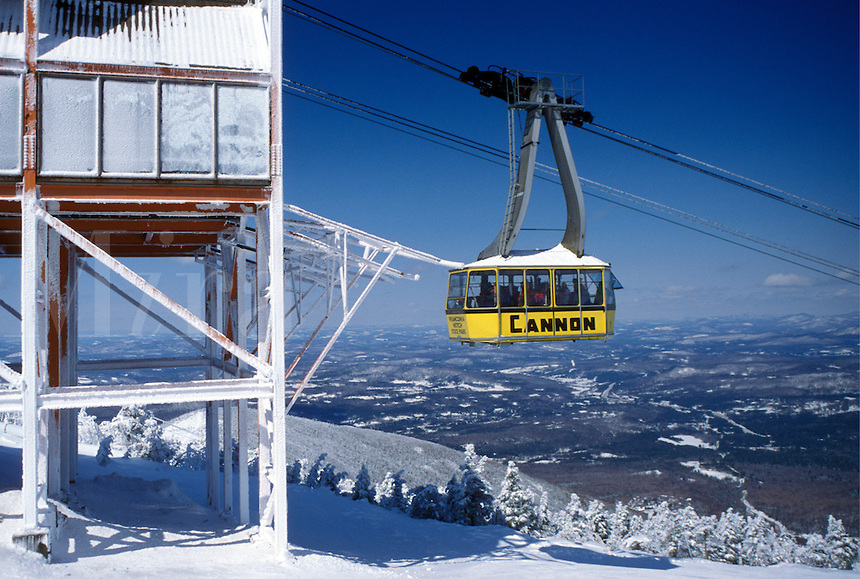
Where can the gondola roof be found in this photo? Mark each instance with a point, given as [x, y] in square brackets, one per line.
[558, 256]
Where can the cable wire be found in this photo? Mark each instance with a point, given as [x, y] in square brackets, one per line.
[353, 35]
[767, 191]
[726, 176]
[500, 157]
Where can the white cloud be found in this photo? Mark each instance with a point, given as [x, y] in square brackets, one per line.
[788, 280]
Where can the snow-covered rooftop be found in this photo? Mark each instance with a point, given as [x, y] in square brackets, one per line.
[558, 256]
[222, 34]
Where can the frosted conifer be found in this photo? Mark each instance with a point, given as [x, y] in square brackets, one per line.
[363, 487]
[294, 473]
[516, 507]
[389, 494]
[572, 522]
[841, 549]
[103, 453]
[88, 429]
[426, 503]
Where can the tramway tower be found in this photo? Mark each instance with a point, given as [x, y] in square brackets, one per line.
[144, 129]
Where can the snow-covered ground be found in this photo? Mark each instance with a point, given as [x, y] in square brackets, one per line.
[137, 518]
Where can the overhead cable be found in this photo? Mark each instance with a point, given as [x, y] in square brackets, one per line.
[500, 157]
[391, 47]
[727, 176]
[382, 41]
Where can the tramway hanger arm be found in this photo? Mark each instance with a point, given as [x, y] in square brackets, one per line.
[539, 99]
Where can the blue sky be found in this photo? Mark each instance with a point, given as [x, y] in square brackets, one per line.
[768, 90]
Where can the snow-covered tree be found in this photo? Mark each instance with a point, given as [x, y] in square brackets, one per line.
[88, 429]
[136, 429]
[330, 479]
[454, 501]
[294, 473]
[619, 526]
[571, 521]
[841, 549]
[757, 548]
[192, 457]
[477, 502]
[313, 479]
[103, 453]
[596, 515]
[515, 506]
[426, 502]
[363, 488]
[725, 546]
[389, 494]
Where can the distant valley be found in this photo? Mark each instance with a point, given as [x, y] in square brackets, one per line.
[710, 411]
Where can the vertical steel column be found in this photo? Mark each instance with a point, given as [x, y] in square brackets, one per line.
[71, 360]
[210, 285]
[56, 318]
[31, 264]
[228, 328]
[242, 404]
[276, 291]
[264, 405]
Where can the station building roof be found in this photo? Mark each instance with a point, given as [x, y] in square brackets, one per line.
[221, 34]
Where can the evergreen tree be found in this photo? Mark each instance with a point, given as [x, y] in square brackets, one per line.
[596, 515]
[619, 526]
[454, 501]
[545, 525]
[153, 446]
[103, 454]
[313, 479]
[841, 549]
[814, 553]
[426, 503]
[477, 505]
[331, 479]
[572, 522]
[390, 495]
[515, 506]
[728, 538]
[294, 473]
[88, 429]
[363, 488]
[757, 546]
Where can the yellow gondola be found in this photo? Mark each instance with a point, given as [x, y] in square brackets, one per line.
[534, 296]
[510, 296]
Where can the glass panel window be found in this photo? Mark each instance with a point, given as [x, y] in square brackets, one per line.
[243, 131]
[537, 287]
[566, 287]
[10, 124]
[511, 288]
[482, 289]
[591, 287]
[610, 291]
[69, 125]
[456, 290]
[128, 143]
[187, 129]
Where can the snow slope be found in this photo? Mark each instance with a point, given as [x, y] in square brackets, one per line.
[142, 519]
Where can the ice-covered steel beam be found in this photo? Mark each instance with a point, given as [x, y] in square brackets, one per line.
[374, 240]
[150, 290]
[144, 363]
[331, 251]
[153, 393]
[11, 400]
[10, 375]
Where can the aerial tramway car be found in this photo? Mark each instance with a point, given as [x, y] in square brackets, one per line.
[509, 296]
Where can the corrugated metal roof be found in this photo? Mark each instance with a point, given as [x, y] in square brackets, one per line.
[179, 34]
